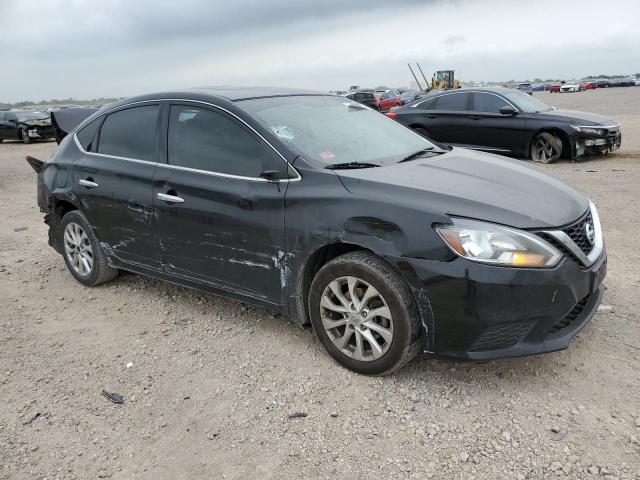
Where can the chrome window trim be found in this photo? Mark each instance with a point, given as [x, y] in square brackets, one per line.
[598, 244]
[495, 95]
[178, 167]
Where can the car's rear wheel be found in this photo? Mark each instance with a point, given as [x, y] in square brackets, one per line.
[364, 314]
[25, 136]
[81, 251]
[546, 148]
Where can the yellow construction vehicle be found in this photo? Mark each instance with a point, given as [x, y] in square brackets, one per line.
[444, 79]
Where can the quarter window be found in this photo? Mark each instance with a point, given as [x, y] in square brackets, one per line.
[130, 133]
[453, 102]
[486, 102]
[207, 140]
[87, 135]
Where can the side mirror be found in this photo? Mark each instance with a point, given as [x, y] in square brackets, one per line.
[508, 110]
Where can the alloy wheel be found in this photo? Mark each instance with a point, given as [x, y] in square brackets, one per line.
[546, 148]
[78, 249]
[356, 318]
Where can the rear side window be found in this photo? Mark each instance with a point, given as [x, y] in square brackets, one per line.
[130, 133]
[2, 115]
[208, 140]
[428, 105]
[87, 135]
[453, 102]
[486, 102]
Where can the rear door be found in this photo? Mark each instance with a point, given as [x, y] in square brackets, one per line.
[448, 120]
[218, 220]
[113, 180]
[492, 130]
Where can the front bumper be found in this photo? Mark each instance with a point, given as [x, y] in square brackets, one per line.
[590, 145]
[479, 312]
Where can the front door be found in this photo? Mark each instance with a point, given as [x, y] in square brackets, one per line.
[113, 180]
[218, 220]
[493, 131]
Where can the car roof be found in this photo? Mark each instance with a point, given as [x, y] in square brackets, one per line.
[235, 94]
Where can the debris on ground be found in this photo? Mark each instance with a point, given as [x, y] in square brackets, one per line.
[20, 229]
[32, 419]
[112, 396]
[297, 415]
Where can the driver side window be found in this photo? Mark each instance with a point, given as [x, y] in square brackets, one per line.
[489, 103]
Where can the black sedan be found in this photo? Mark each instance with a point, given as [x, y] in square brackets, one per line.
[325, 211]
[510, 122]
[25, 125]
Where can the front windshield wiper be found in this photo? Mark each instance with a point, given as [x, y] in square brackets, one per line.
[349, 165]
[417, 154]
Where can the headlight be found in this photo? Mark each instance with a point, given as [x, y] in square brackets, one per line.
[497, 245]
[590, 130]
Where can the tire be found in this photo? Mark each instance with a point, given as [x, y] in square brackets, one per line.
[25, 136]
[545, 148]
[81, 249]
[395, 330]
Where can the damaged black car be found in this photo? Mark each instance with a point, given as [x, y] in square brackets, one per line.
[509, 122]
[323, 210]
[25, 125]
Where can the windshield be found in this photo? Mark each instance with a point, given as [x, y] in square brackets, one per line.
[524, 102]
[334, 130]
[26, 116]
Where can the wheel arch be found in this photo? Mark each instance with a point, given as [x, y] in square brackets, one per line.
[59, 207]
[567, 148]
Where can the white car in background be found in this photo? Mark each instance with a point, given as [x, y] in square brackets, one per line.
[571, 87]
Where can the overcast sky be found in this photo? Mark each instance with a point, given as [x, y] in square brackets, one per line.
[93, 48]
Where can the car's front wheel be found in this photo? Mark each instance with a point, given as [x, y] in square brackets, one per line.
[546, 148]
[364, 314]
[81, 251]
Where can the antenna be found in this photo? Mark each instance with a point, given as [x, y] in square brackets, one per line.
[425, 78]
[414, 76]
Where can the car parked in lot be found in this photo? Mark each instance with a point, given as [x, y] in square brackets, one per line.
[554, 88]
[588, 85]
[603, 84]
[510, 122]
[570, 87]
[25, 125]
[387, 100]
[365, 97]
[526, 88]
[330, 213]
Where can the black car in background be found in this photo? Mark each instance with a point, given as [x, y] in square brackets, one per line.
[25, 125]
[328, 212]
[510, 122]
[365, 97]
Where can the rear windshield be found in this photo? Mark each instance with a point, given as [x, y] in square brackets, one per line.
[333, 130]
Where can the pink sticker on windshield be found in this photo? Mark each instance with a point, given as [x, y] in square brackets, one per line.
[327, 154]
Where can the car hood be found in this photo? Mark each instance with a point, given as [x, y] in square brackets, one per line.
[45, 122]
[475, 185]
[578, 118]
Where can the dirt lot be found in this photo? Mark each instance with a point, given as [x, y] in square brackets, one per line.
[213, 382]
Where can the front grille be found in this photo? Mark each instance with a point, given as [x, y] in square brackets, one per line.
[500, 336]
[570, 317]
[577, 233]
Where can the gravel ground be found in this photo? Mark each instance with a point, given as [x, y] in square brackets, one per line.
[210, 385]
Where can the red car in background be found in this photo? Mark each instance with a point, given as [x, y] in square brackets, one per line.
[588, 85]
[555, 88]
[388, 100]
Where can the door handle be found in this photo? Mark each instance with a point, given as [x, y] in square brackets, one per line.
[475, 117]
[89, 183]
[431, 115]
[169, 198]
